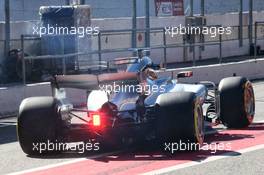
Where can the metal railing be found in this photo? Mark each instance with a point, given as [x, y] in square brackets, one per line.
[164, 46]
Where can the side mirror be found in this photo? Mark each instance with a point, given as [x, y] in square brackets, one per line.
[185, 74]
[155, 66]
[162, 66]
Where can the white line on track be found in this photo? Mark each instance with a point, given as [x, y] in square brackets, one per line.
[210, 159]
[3, 126]
[260, 121]
[63, 163]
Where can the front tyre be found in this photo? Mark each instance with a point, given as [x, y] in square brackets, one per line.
[38, 123]
[237, 102]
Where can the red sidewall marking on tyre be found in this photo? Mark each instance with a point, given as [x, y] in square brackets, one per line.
[135, 163]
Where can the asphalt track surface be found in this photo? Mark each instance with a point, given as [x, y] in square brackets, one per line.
[241, 152]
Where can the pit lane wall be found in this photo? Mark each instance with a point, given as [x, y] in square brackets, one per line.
[11, 97]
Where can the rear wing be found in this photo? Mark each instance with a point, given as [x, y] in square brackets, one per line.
[91, 82]
[124, 60]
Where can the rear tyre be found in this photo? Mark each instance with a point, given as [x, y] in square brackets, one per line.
[38, 123]
[180, 119]
[237, 102]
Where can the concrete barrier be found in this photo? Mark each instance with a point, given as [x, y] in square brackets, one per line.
[11, 97]
[252, 69]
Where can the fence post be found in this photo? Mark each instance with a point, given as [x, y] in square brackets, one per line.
[63, 59]
[147, 22]
[165, 48]
[193, 45]
[184, 48]
[250, 30]
[134, 26]
[99, 51]
[23, 60]
[191, 8]
[255, 42]
[202, 8]
[7, 28]
[220, 49]
[200, 49]
[241, 23]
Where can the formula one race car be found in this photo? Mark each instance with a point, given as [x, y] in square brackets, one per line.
[144, 106]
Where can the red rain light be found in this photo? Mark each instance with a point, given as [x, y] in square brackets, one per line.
[96, 119]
